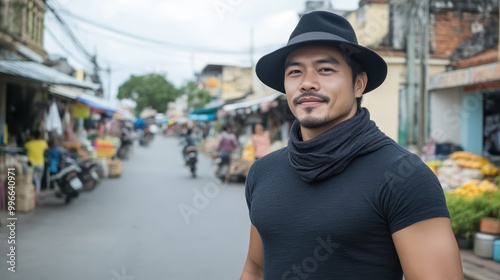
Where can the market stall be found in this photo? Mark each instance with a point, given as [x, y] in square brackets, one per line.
[471, 184]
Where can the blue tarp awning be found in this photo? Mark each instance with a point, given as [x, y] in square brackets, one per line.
[97, 103]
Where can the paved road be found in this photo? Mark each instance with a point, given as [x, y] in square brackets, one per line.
[132, 227]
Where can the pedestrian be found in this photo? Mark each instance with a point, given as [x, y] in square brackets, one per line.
[261, 141]
[54, 155]
[226, 144]
[342, 200]
[35, 150]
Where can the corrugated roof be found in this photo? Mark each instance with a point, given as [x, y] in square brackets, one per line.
[41, 73]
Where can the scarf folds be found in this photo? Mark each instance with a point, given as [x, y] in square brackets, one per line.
[330, 152]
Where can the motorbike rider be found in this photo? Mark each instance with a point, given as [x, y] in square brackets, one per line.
[187, 139]
[125, 141]
[226, 145]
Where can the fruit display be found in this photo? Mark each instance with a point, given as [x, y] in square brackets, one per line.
[474, 188]
[462, 167]
[469, 160]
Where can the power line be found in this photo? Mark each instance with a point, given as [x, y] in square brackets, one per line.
[61, 45]
[186, 48]
[70, 33]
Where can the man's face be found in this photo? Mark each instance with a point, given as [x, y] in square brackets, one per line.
[319, 87]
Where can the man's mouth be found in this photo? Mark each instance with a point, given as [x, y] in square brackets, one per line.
[308, 99]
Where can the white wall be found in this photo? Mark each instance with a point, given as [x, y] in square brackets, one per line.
[445, 115]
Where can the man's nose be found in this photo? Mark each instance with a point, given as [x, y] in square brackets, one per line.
[310, 81]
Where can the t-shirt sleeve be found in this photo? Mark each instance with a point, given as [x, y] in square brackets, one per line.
[411, 193]
[249, 186]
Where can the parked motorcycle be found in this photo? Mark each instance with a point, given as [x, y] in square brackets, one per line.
[67, 181]
[88, 174]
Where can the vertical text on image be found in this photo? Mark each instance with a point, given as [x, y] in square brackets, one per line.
[11, 187]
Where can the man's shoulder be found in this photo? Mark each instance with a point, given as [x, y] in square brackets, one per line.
[391, 153]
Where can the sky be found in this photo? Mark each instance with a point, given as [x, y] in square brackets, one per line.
[175, 37]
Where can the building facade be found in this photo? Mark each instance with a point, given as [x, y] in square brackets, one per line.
[226, 82]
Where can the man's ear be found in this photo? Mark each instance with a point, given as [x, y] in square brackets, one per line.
[360, 84]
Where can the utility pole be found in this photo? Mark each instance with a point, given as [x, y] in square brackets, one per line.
[424, 110]
[109, 81]
[410, 80]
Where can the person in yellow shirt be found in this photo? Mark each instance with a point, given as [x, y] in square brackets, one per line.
[35, 149]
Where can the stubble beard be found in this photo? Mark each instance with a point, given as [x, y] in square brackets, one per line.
[312, 122]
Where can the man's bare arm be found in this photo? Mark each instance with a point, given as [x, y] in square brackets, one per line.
[255, 258]
[428, 250]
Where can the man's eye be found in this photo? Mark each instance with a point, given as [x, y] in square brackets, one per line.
[325, 70]
[293, 71]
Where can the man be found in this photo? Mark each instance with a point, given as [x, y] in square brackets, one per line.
[342, 201]
[187, 140]
[35, 150]
[125, 141]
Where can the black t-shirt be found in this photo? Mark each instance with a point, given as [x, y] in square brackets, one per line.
[340, 228]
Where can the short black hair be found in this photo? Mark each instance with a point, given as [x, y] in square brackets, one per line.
[36, 134]
[355, 68]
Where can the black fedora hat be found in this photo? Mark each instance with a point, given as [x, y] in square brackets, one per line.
[321, 28]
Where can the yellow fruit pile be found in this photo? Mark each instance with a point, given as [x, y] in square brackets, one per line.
[474, 188]
[434, 165]
[469, 160]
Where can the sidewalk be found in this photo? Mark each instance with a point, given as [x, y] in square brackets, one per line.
[4, 214]
[476, 268]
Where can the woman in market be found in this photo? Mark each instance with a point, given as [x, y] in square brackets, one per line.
[261, 141]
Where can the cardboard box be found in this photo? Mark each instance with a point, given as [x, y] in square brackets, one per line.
[24, 190]
[240, 167]
[24, 179]
[115, 168]
[25, 203]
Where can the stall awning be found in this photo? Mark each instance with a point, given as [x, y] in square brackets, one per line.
[67, 91]
[97, 103]
[251, 101]
[202, 117]
[40, 73]
[210, 108]
[124, 115]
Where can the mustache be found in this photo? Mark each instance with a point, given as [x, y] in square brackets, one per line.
[323, 98]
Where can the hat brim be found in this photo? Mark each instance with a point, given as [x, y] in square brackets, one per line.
[270, 69]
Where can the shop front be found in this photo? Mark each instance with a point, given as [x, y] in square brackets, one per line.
[465, 109]
[33, 97]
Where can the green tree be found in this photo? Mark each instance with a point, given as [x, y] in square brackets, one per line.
[149, 90]
[197, 97]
